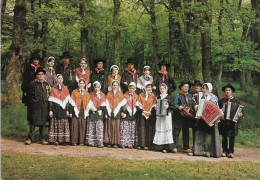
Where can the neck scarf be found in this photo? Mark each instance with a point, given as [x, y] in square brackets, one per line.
[99, 70]
[186, 97]
[66, 66]
[229, 99]
[132, 73]
[35, 67]
[165, 75]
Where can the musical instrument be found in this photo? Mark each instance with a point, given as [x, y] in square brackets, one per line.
[161, 111]
[209, 112]
[197, 97]
[231, 111]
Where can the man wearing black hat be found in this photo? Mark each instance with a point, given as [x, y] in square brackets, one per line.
[162, 76]
[28, 75]
[98, 74]
[68, 71]
[227, 127]
[182, 100]
[38, 105]
[130, 75]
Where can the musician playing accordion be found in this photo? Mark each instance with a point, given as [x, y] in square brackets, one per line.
[228, 127]
[207, 134]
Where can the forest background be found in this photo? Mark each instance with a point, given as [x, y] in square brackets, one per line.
[214, 41]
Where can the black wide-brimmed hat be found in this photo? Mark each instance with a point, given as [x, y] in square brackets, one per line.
[163, 62]
[35, 55]
[39, 69]
[197, 82]
[99, 60]
[130, 61]
[228, 86]
[66, 54]
[184, 82]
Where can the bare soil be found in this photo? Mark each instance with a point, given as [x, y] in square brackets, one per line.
[16, 147]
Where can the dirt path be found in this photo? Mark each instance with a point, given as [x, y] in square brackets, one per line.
[13, 146]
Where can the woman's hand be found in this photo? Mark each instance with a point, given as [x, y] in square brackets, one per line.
[51, 114]
[181, 108]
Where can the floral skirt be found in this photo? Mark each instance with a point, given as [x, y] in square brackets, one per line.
[128, 134]
[94, 134]
[59, 130]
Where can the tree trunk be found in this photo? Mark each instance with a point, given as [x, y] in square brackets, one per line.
[258, 101]
[84, 31]
[171, 42]
[198, 54]
[182, 43]
[15, 64]
[249, 82]
[242, 80]
[206, 44]
[116, 23]
[3, 6]
[35, 25]
[45, 36]
[155, 37]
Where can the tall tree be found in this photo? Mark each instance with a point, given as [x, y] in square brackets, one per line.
[181, 41]
[84, 30]
[206, 42]
[44, 33]
[255, 35]
[150, 9]
[15, 64]
[3, 6]
[117, 30]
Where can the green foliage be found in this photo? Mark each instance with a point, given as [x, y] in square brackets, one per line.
[24, 166]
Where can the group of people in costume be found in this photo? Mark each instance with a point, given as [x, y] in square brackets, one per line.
[87, 107]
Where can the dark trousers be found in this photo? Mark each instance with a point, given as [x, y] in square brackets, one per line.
[231, 144]
[186, 136]
[31, 132]
[176, 133]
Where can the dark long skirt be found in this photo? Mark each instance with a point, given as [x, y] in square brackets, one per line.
[112, 131]
[78, 130]
[146, 131]
[59, 130]
[207, 141]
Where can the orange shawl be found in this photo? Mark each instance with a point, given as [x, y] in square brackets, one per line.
[79, 75]
[146, 105]
[60, 97]
[96, 101]
[77, 98]
[111, 78]
[131, 104]
[115, 102]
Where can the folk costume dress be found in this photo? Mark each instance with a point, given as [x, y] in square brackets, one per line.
[83, 74]
[160, 78]
[99, 75]
[228, 128]
[142, 81]
[111, 78]
[114, 104]
[95, 122]
[128, 127]
[128, 76]
[163, 138]
[206, 137]
[180, 122]
[146, 124]
[50, 76]
[59, 106]
[80, 105]
[68, 73]
[28, 77]
[38, 106]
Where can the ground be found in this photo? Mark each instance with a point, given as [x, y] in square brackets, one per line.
[13, 146]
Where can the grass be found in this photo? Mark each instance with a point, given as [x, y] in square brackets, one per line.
[23, 166]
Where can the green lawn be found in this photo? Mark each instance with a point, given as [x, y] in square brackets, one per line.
[24, 166]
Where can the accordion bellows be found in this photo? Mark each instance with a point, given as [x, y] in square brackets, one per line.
[209, 112]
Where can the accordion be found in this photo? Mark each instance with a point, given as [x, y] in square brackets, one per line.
[209, 112]
[161, 111]
[231, 111]
[197, 97]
